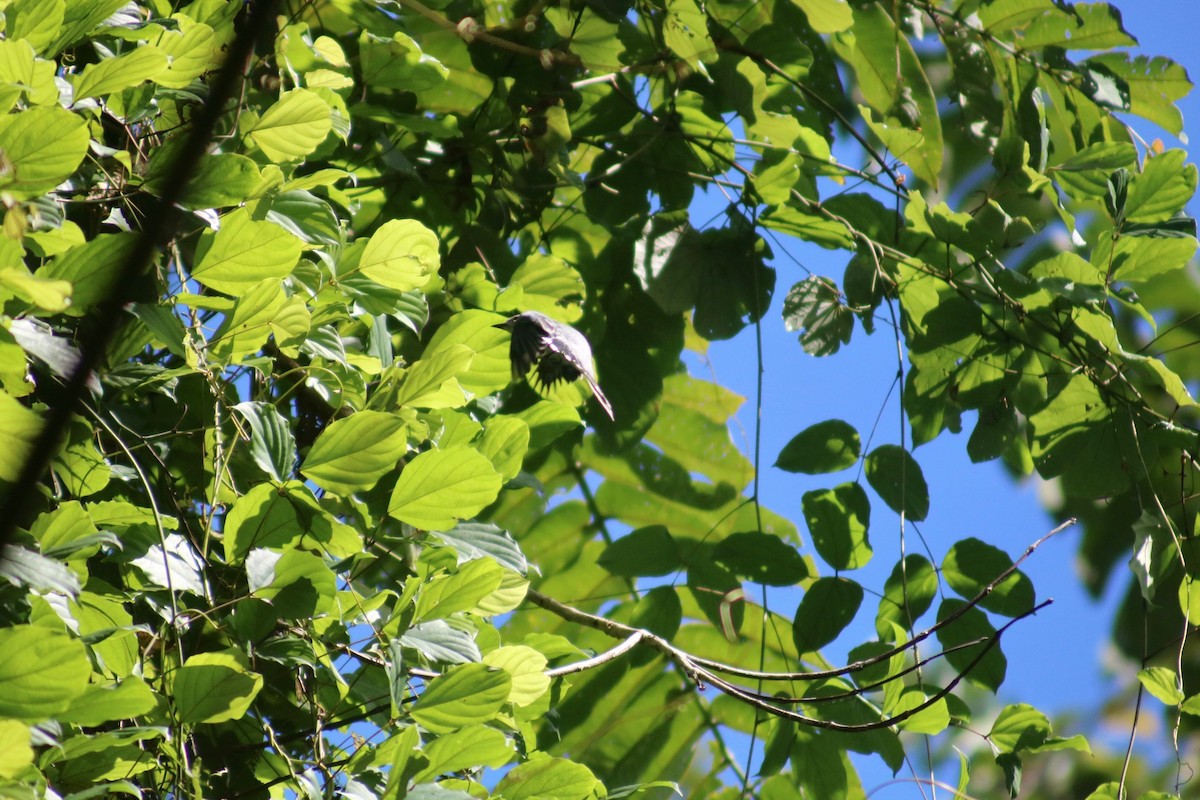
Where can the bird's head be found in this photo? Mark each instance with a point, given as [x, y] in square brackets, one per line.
[534, 320]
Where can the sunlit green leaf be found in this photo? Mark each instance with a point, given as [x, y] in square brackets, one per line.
[826, 16]
[141, 64]
[526, 667]
[439, 487]
[244, 252]
[292, 127]
[355, 452]
[463, 696]
[400, 255]
[545, 777]
[1162, 683]
[41, 147]
[214, 687]
[42, 673]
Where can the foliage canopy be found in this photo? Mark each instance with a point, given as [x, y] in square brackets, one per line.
[304, 535]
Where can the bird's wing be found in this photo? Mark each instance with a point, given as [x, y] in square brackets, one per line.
[527, 347]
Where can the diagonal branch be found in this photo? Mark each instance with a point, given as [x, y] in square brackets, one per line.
[705, 672]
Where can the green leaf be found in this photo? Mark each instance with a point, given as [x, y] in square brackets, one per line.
[971, 633]
[526, 667]
[697, 442]
[505, 441]
[475, 539]
[144, 63]
[272, 445]
[42, 673]
[1077, 436]
[354, 452]
[931, 720]
[191, 51]
[838, 520]
[432, 382]
[80, 465]
[543, 776]
[907, 594]
[263, 311]
[490, 368]
[42, 147]
[645, 551]
[45, 294]
[469, 694]
[220, 179]
[91, 268]
[297, 583]
[685, 31]
[1162, 188]
[814, 307]
[439, 487]
[548, 421]
[214, 687]
[827, 446]
[35, 21]
[659, 611]
[25, 568]
[894, 84]
[80, 18]
[826, 16]
[18, 428]
[469, 748]
[1005, 15]
[15, 751]
[1155, 83]
[543, 283]
[1019, 727]
[398, 63]
[1140, 258]
[243, 253]
[1100, 156]
[99, 704]
[263, 517]
[293, 127]
[826, 609]
[439, 642]
[896, 476]
[972, 564]
[761, 558]
[1163, 683]
[401, 255]
[1089, 26]
[459, 591]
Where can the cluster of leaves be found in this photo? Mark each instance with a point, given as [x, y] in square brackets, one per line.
[286, 542]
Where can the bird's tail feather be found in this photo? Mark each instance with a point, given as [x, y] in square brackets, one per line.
[600, 398]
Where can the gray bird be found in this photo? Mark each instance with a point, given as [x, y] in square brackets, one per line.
[559, 352]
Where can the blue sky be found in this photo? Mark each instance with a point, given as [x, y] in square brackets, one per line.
[966, 499]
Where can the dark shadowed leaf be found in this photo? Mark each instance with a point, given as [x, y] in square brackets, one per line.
[827, 446]
[814, 307]
[826, 609]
